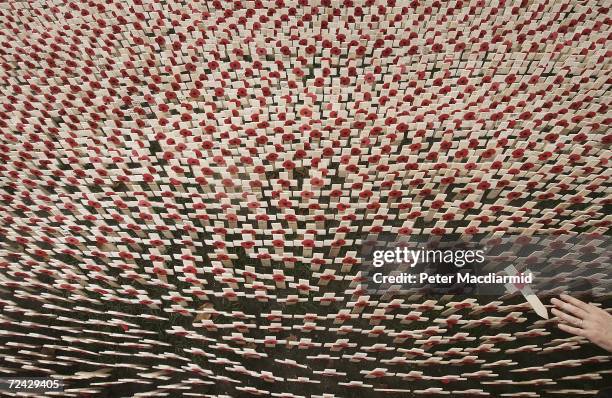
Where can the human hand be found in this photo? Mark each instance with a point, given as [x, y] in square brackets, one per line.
[586, 320]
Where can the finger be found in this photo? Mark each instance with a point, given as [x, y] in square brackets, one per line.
[571, 329]
[598, 311]
[572, 320]
[576, 303]
[569, 308]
